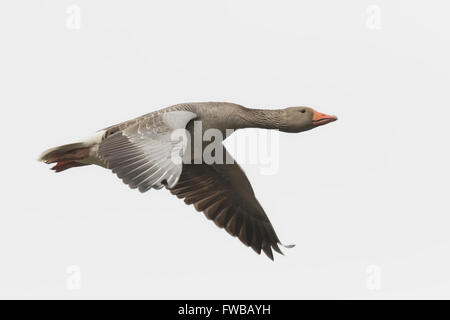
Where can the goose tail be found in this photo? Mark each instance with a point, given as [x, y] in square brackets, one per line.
[73, 154]
[66, 156]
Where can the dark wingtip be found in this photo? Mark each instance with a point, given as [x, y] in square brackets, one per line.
[267, 250]
[277, 249]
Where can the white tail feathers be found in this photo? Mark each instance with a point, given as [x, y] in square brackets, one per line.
[60, 149]
[74, 154]
[96, 138]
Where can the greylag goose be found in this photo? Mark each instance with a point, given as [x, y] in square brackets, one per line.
[141, 153]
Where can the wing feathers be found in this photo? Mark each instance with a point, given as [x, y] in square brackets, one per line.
[141, 154]
[225, 196]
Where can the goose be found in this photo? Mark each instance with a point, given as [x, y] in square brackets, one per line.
[141, 153]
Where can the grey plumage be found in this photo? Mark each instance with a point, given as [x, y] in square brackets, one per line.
[141, 152]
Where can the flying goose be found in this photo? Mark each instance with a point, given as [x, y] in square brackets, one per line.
[141, 153]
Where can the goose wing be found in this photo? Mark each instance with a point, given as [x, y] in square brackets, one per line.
[148, 154]
[224, 194]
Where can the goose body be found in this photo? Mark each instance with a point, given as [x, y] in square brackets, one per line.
[158, 150]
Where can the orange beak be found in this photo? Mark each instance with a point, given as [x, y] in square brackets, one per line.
[319, 119]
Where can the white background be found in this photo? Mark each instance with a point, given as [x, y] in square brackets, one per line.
[365, 198]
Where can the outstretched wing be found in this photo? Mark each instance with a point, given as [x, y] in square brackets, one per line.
[225, 195]
[146, 154]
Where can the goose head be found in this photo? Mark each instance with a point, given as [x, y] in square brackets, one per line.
[298, 119]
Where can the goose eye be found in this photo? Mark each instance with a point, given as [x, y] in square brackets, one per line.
[303, 111]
